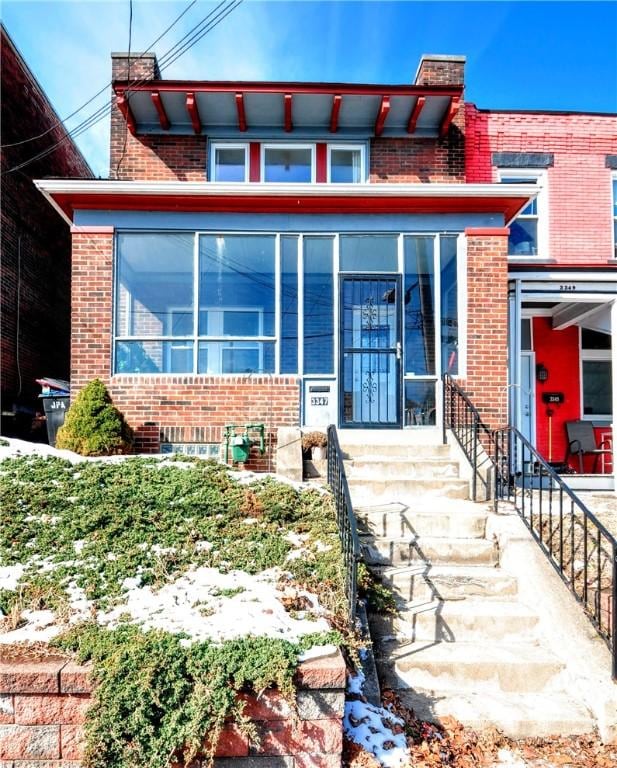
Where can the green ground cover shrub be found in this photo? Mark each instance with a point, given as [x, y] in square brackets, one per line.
[93, 425]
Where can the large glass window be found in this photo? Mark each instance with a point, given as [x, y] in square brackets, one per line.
[289, 304]
[288, 163]
[230, 162]
[369, 253]
[236, 300]
[154, 300]
[318, 305]
[419, 311]
[449, 305]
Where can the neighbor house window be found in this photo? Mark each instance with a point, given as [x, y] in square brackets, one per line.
[615, 216]
[596, 375]
[528, 230]
[230, 162]
[345, 164]
[290, 163]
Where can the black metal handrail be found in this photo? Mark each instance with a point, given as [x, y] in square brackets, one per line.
[476, 440]
[345, 518]
[580, 548]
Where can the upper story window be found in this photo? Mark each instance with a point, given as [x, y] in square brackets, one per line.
[292, 163]
[288, 162]
[345, 164]
[528, 232]
[615, 216]
[230, 162]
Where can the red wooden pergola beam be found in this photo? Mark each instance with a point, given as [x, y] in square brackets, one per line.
[288, 103]
[160, 110]
[415, 114]
[384, 108]
[241, 111]
[125, 108]
[337, 100]
[191, 107]
[450, 115]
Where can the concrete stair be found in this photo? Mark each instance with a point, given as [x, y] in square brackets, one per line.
[461, 642]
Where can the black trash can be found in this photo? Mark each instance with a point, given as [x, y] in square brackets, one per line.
[55, 408]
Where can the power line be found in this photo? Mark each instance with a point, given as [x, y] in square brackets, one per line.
[104, 111]
[128, 59]
[103, 89]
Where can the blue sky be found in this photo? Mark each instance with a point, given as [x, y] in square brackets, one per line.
[520, 55]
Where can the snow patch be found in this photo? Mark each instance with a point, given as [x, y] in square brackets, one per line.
[10, 576]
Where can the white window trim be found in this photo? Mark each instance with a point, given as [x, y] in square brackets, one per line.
[601, 355]
[541, 178]
[285, 145]
[229, 145]
[351, 147]
[613, 198]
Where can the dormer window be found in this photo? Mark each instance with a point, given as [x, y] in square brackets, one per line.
[230, 162]
[291, 163]
[345, 164]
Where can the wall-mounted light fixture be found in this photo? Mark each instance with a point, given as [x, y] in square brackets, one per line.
[541, 372]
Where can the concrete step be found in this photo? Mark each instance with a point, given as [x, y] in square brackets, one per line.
[468, 666]
[518, 716]
[463, 620]
[411, 451]
[420, 582]
[368, 491]
[400, 520]
[391, 437]
[380, 468]
[441, 551]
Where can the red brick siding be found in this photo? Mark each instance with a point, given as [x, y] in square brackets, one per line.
[412, 161]
[44, 703]
[35, 242]
[579, 183]
[487, 324]
[163, 408]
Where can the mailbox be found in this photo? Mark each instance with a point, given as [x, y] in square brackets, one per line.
[319, 402]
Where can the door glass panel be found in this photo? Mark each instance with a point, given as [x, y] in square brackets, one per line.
[369, 253]
[419, 306]
[371, 369]
[420, 403]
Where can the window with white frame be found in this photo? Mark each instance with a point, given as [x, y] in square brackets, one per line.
[596, 375]
[528, 232]
[230, 162]
[345, 164]
[615, 215]
[292, 163]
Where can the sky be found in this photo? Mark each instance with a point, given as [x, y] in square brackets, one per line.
[520, 55]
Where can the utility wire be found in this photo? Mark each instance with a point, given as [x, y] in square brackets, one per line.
[103, 89]
[105, 110]
[128, 77]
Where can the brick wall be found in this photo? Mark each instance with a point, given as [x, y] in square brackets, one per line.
[163, 408]
[35, 244]
[487, 323]
[579, 183]
[43, 706]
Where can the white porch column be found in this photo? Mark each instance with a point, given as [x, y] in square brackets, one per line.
[614, 384]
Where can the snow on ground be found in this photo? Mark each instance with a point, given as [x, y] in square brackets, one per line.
[371, 727]
[203, 604]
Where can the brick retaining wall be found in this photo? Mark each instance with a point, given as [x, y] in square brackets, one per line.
[43, 705]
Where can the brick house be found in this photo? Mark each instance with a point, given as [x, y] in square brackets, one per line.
[35, 272]
[312, 253]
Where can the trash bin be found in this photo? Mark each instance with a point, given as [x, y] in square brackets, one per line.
[56, 401]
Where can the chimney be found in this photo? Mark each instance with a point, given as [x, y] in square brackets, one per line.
[435, 69]
[143, 66]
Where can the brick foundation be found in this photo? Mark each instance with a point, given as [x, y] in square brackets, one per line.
[43, 706]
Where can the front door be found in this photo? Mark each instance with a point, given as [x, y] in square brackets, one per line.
[370, 359]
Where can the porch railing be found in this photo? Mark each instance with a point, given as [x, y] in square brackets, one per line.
[476, 440]
[580, 548]
[345, 518]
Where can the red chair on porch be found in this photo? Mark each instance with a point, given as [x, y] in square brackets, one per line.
[582, 442]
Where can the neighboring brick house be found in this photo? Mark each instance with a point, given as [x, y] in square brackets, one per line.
[295, 253]
[35, 271]
[562, 266]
